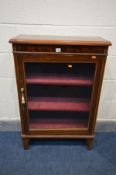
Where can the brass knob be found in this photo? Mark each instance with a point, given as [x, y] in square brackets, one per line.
[22, 89]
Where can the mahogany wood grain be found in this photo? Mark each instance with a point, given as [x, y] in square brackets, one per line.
[63, 40]
[76, 50]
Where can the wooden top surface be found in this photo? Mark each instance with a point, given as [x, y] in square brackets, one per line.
[60, 40]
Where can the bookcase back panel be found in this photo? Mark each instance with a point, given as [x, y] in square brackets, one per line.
[43, 90]
[57, 120]
[77, 69]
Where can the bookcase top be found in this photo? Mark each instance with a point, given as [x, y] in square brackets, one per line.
[60, 40]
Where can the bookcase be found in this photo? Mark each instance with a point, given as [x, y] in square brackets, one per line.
[59, 81]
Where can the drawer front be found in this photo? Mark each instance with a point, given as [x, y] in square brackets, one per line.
[62, 49]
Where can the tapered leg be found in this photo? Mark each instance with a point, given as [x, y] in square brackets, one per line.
[25, 143]
[89, 144]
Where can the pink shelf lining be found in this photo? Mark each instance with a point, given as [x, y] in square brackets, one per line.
[61, 104]
[59, 80]
[57, 123]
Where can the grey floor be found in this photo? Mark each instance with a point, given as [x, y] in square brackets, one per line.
[101, 126]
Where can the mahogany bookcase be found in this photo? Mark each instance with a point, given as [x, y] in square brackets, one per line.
[59, 81]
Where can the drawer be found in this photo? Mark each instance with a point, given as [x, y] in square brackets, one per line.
[61, 48]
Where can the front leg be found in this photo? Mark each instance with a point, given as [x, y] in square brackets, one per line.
[25, 143]
[89, 143]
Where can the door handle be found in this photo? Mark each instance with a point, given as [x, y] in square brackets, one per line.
[22, 98]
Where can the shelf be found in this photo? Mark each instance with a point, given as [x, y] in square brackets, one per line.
[58, 104]
[58, 80]
[47, 123]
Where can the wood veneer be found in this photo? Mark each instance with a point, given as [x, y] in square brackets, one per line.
[59, 81]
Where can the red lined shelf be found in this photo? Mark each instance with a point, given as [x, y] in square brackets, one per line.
[58, 80]
[48, 123]
[61, 104]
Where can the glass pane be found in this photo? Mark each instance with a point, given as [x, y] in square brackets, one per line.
[59, 94]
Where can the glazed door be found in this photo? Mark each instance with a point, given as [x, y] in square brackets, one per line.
[57, 96]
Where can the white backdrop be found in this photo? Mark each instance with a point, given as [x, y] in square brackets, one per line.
[56, 17]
